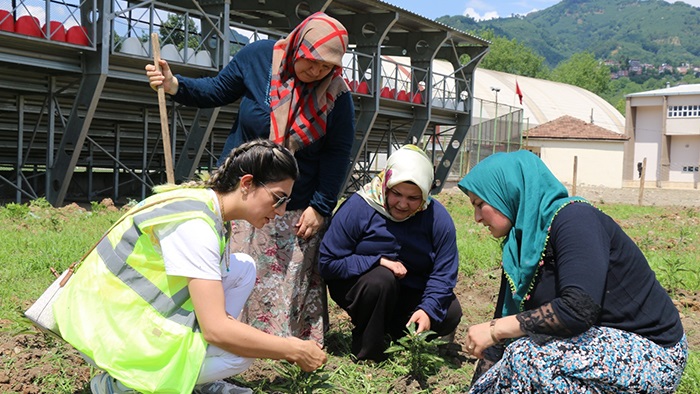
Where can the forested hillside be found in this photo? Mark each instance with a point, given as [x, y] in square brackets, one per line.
[650, 31]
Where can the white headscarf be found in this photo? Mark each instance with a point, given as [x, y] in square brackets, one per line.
[408, 164]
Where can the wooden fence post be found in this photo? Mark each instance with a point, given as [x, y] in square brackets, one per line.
[641, 181]
[573, 187]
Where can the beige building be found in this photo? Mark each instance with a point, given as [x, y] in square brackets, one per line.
[573, 148]
[663, 127]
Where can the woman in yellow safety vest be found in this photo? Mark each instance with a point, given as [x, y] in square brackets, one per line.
[155, 303]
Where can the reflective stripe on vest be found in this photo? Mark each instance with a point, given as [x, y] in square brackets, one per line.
[123, 311]
[114, 259]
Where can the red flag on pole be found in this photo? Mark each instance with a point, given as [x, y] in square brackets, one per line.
[518, 92]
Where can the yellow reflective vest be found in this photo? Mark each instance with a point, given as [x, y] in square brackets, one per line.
[122, 310]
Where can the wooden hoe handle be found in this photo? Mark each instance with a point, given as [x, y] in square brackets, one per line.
[167, 150]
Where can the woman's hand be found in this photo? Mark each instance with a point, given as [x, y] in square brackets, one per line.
[484, 335]
[221, 329]
[308, 354]
[479, 339]
[422, 319]
[309, 223]
[164, 77]
[396, 267]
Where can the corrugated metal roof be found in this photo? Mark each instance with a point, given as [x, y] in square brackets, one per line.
[673, 91]
[424, 19]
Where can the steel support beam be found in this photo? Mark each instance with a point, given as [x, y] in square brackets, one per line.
[294, 12]
[464, 120]
[369, 44]
[88, 95]
[74, 137]
[422, 49]
[196, 142]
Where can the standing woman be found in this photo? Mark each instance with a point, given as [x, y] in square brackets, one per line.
[291, 92]
[390, 256]
[579, 309]
[154, 304]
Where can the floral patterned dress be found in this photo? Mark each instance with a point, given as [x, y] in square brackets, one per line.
[289, 297]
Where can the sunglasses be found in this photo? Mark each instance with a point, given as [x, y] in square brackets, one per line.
[279, 200]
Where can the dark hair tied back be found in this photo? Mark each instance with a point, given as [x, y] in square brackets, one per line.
[265, 160]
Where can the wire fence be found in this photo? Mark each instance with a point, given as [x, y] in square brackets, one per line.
[495, 128]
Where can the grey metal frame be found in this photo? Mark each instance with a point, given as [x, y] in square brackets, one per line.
[108, 143]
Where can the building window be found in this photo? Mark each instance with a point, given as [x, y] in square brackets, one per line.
[684, 111]
[690, 169]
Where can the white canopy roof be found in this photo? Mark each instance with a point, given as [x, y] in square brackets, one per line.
[544, 101]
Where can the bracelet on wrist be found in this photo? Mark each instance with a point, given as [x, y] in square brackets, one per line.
[492, 331]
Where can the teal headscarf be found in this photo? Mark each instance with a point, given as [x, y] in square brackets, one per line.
[521, 187]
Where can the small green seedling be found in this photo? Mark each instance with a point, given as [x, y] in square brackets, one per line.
[297, 381]
[417, 353]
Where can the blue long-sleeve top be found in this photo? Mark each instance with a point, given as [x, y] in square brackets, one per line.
[322, 165]
[359, 236]
[592, 254]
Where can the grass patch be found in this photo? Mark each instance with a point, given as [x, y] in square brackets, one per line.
[690, 384]
[35, 239]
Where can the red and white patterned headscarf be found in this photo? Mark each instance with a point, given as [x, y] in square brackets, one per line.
[299, 110]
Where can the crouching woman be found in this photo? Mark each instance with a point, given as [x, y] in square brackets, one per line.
[579, 309]
[155, 303]
[390, 256]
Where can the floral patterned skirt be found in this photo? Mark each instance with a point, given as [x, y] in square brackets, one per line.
[289, 297]
[601, 360]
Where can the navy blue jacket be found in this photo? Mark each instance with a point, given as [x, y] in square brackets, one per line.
[426, 244]
[322, 165]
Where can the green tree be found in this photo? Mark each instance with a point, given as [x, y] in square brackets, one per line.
[689, 78]
[172, 31]
[617, 91]
[513, 57]
[583, 70]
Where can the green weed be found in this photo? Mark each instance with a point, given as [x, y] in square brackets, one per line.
[415, 352]
[673, 275]
[357, 378]
[41, 203]
[96, 207]
[690, 383]
[296, 381]
[130, 203]
[14, 211]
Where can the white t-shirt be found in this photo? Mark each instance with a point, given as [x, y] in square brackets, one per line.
[191, 248]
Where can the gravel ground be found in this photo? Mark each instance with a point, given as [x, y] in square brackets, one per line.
[628, 195]
[651, 196]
